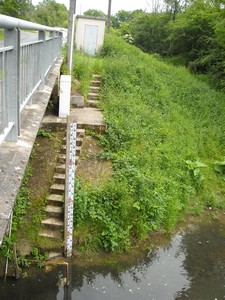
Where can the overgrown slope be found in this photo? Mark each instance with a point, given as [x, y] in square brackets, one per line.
[165, 134]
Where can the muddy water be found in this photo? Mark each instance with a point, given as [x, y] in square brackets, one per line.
[190, 265]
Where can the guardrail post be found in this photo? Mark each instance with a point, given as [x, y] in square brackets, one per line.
[12, 38]
[42, 36]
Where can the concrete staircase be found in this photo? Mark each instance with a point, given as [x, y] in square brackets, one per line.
[87, 117]
[53, 223]
[93, 96]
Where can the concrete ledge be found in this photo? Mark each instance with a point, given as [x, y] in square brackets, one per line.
[15, 156]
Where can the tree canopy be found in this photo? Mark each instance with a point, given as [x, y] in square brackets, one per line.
[94, 13]
[47, 12]
[51, 13]
[193, 30]
[16, 8]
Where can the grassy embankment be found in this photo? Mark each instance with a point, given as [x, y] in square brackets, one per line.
[165, 138]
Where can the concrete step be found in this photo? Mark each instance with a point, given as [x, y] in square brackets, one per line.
[60, 168]
[79, 141]
[93, 96]
[54, 211]
[48, 233]
[78, 150]
[80, 132]
[53, 255]
[93, 103]
[55, 200]
[95, 83]
[63, 149]
[53, 223]
[57, 189]
[62, 158]
[96, 77]
[94, 89]
[59, 178]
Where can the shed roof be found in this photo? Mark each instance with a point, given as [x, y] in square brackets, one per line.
[91, 18]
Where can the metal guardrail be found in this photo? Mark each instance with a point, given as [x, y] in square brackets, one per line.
[23, 68]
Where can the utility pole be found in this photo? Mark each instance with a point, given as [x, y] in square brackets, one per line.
[109, 16]
[70, 34]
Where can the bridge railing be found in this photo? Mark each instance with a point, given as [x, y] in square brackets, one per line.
[23, 68]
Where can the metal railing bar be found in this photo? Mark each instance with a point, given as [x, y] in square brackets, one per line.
[6, 132]
[11, 23]
[6, 49]
[29, 96]
[31, 43]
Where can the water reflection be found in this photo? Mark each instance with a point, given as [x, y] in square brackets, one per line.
[204, 262]
[191, 265]
[158, 274]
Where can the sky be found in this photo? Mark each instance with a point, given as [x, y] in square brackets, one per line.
[129, 5]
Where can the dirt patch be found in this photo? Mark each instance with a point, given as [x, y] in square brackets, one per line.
[42, 162]
[91, 168]
[42, 167]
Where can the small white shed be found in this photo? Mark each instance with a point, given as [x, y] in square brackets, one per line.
[90, 33]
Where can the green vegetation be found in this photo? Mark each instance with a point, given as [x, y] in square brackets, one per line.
[15, 8]
[51, 13]
[193, 30]
[44, 133]
[83, 68]
[165, 136]
[47, 12]
[1, 34]
[94, 13]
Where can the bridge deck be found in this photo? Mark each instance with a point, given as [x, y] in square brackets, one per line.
[15, 156]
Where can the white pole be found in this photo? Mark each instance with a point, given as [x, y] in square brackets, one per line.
[70, 35]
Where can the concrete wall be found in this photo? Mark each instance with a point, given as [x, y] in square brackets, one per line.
[90, 33]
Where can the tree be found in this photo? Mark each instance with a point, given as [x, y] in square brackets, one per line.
[150, 32]
[173, 7]
[123, 16]
[16, 8]
[94, 13]
[51, 13]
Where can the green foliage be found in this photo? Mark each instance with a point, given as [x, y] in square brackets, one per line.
[22, 201]
[1, 38]
[195, 168]
[51, 13]
[83, 68]
[123, 17]
[6, 250]
[159, 119]
[94, 13]
[44, 133]
[191, 30]
[150, 32]
[16, 8]
[219, 167]
[38, 255]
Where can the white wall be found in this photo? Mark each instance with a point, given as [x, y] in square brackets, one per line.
[80, 31]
